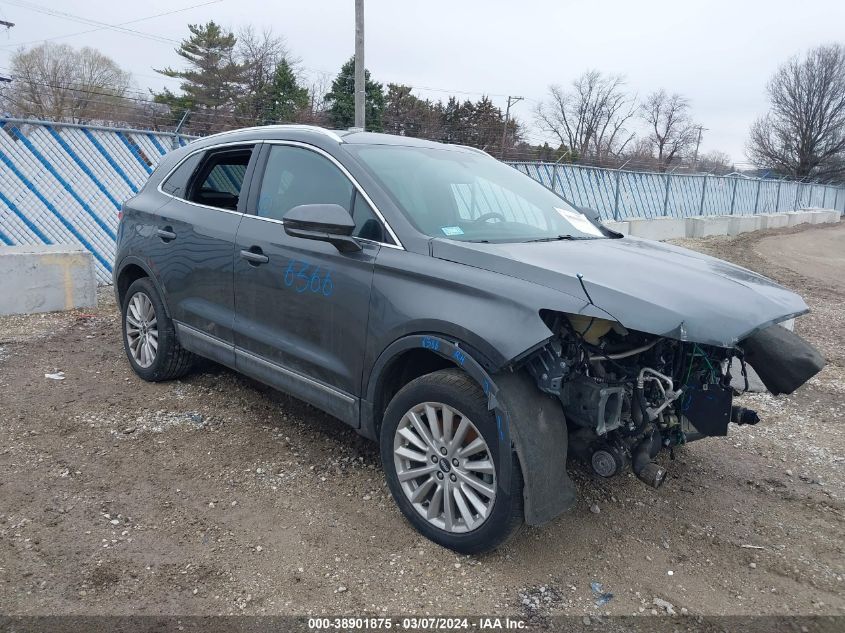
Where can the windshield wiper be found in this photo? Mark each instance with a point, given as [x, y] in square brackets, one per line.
[558, 238]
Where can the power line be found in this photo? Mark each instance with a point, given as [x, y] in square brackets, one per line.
[121, 106]
[120, 28]
[124, 98]
[100, 25]
[8, 25]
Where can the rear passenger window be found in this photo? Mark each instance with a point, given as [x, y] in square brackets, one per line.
[219, 180]
[177, 183]
[296, 176]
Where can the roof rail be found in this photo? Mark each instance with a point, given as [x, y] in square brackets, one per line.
[293, 126]
[471, 148]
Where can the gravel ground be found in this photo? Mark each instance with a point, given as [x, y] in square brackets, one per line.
[215, 495]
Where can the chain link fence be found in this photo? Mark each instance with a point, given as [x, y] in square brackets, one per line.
[618, 194]
[64, 183]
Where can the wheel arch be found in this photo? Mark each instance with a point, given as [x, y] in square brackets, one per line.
[529, 422]
[402, 361]
[130, 270]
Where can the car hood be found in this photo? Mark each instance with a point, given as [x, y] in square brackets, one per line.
[648, 286]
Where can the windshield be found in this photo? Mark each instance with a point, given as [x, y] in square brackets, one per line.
[470, 196]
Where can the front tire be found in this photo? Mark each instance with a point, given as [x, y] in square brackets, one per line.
[441, 456]
[149, 337]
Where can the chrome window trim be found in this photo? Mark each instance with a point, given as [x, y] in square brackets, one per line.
[398, 245]
[186, 157]
[358, 188]
[358, 239]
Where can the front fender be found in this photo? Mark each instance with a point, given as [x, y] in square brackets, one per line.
[498, 315]
[528, 421]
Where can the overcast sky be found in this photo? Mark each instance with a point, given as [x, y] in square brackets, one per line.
[718, 54]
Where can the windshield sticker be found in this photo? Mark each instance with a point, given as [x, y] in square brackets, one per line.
[579, 221]
[452, 230]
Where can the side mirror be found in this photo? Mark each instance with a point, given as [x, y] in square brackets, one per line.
[323, 222]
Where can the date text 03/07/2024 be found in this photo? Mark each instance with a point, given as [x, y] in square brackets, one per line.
[417, 623]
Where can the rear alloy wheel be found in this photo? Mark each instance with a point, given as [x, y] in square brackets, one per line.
[149, 337]
[142, 329]
[440, 451]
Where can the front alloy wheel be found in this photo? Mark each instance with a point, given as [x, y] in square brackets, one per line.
[445, 467]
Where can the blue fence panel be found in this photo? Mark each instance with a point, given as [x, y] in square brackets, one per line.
[62, 183]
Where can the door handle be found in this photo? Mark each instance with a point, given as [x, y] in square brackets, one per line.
[166, 234]
[255, 256]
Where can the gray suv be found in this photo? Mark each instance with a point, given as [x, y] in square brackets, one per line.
[475, 324]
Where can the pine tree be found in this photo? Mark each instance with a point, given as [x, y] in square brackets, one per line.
[285, 96]
[487, 124]
[408, 115]
[211, 80]
[341, 99]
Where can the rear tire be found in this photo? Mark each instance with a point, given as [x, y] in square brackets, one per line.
[461, 466]
[149, 337]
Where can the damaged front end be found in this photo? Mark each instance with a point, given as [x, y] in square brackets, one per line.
[627, 395]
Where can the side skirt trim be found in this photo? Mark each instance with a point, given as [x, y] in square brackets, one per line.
[325, 397]
[205, 345]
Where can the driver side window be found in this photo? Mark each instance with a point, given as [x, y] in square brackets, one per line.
[295, 176]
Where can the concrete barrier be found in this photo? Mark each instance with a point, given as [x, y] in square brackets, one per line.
[707, 225]
[817, 216]
[743, 224]
[659, 228]
[794, 218]
[773, 221]
[44, 278]
[623, 226]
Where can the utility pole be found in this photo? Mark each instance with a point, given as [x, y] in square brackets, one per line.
[511, 101]
[8, 25]
[360, 74]
[697, 143]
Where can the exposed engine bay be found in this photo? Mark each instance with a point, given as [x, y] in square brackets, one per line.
[627, 395]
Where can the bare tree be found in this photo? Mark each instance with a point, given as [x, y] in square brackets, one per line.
[715, 162]
[591, 116]
[671, 131]
[58, 82]
[803, 135]
[639, 155]
[318, 87]
[258, 54]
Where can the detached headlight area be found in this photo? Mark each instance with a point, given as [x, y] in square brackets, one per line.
[627, 395]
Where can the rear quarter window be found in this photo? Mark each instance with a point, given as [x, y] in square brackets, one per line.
[176, 184]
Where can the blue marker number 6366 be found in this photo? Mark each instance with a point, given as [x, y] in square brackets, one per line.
[302, 277]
